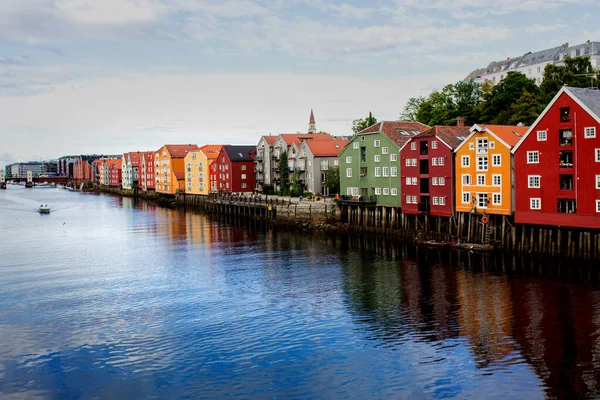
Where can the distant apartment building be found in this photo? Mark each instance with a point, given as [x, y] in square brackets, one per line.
[19, 170]
[532, 64]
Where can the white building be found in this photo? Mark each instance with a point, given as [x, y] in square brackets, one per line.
[130, 165]
[19, 170]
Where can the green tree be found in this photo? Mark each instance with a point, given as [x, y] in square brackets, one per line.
[497, 105]
[412, 108]
[443, 107]
[332, 179]
[576, 72]
[526, 109]
[360, 124]
[284, 174]
[296, 188]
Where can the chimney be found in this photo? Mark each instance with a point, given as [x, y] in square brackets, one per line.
[460, 121]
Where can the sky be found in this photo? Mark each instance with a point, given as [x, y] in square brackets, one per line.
[112, 76]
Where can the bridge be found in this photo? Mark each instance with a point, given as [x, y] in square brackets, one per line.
[37, 179]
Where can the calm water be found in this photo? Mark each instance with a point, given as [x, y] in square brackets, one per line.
[107, 298]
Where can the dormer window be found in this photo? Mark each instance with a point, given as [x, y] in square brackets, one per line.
[565, 115]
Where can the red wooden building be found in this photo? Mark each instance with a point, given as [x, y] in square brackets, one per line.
[427, 186]
[557, 163]
[146, 171]
[114, 172]
[235, 169]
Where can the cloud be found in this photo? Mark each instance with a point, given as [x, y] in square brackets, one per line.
[538, 29]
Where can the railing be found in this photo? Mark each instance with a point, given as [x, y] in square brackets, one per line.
[358, 199]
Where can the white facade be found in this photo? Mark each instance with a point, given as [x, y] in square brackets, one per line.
[264, 168]
[19, 170]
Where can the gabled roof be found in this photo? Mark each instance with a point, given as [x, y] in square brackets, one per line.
[180, 150]
[135, 158]
[398, 131]
[270, 139]
[211, 151]
[126, 157]
[114, 163]
[239, 153]
[452, 136]
[331, 148]
[588, 99]
[508, 135]
[297, 138]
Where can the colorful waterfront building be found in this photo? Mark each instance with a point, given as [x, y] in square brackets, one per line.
[114, 169]
[427, 181]
[557, 164]
[197, 164]
[265, 164]
[315, 158]
[234, 169]
[131, 163]
[146, 171]
[370, 166]
[484, 169]
[169, 162]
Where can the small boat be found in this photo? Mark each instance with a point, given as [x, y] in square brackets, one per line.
[44, 209]
[434, 243]
[3, 185]
[475, 246]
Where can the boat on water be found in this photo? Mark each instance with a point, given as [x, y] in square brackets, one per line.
[44, 209]
[475, 246]
[434, 243]
[3, 185]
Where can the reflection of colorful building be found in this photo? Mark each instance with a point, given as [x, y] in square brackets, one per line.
[197, 163]
[169, 161]
[485, 314]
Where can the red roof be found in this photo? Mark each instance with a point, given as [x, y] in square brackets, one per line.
[114, 163]
[135, 158]
[180, 150]
[450, 134]
[211, 151]
[270, 139]
[398, 131]
[297, 138]
[330, 148]
[509, 134]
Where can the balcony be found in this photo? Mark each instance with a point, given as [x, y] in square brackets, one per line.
[258, 158]
[567, 206]
[424, 167]
[565, 137]
[424, 147]
[358, 199]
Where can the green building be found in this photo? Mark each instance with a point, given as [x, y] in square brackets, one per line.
[370, 162]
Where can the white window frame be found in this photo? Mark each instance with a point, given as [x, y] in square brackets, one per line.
[384, 150]
[496, 196]
[414, 200]
[377, 172]
[443, 201]
[597, 181]
[498, 158]
[480, 166]
[597, 151]
[533, 157]
[408, 181]
[467, 163]
[408, 199]
[542, 136]
[534, 181]
[442, 181]
[434, 162]
[385, 171]
[393, 171]
[441, 161]
[434, 144]
[535, 203]
[408, 162]
[348, 159]
[414, 180]
[413, 162]
[434, 181]
[480, 179]
[393, 157]
[355, 145]
[394, 192]
[466, 182]
[499, 178]
[386, 191]
[377, 191]
[376, 143]
[480, 196]
[598, 206]
[413, 145]
[377, 158]
[466, 198]
[348, 172]
[589, 132]
[435, 201]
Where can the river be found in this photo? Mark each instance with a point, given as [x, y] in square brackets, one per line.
[111, 298]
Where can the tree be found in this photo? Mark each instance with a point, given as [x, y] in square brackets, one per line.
[332, 179]
[361, 124]
[496, 107]
[412, 108]
[296, 188]
[576, 72]
[284, 174]
[526, 109]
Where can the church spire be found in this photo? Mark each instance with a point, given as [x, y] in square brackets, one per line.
[312, 128]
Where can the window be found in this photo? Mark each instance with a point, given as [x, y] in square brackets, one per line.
[408, 161]
[377, 171]
[492, 145]
[482, 200]
[336, 162]
[482, 163]
[565, 137]
[377, 191]
[466, 198]
[496, 199]
[496, 160]
[434, 181]
[363, 139]
[385, 171]
[435, 201]
[434, 161]
[376, 143]
[442, 201]
[466, 179]
[480, 180]
[535, 203]
[533, 157]
[413, 162]
[377, 158]
[393, 157]
[384, 150]
[496, 180]
[466, 161]
[243, 185]
[441, 161]
[243, 176]
[414, 199]
[533, 181]
[363, 155]
[471, 146]
[434, 144]
[355, 145]
[442, 181]
[324, 165]
[352, 191]
[597, 181]
[393, 171]
[542, 136]
[414, 180]
[394, 192]
[597, 155]
[482, 146]
[349, 160]
[408, 180]
[565, 116]
[597, 205]
[589, 132]
[348, 172]
[408, 199]
[413, 146]
[386, 191]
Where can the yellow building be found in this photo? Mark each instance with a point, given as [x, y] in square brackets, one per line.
[483, 168]
[197, 162]
[169, 171]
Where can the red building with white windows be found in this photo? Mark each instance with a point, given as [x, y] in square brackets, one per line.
[146, 171]
[234, 169]
[114, 172]
[557, 163]
[427, 170]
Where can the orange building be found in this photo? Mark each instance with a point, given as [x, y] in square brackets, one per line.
[484, 169]
[197, 163]
[169, 162]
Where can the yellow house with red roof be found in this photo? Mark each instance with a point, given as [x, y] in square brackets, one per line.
[169, 163]
[197, 163]
[484, 182]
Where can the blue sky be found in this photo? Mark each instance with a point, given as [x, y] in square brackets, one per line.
[92, 76]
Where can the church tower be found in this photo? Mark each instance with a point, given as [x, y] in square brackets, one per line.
[312, 128]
